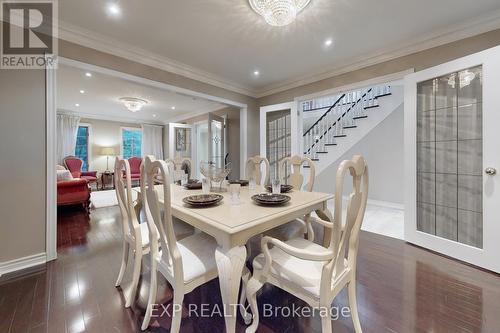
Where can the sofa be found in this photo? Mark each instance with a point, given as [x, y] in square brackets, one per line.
[72, 191]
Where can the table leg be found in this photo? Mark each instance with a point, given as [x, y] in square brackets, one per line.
[230, 266]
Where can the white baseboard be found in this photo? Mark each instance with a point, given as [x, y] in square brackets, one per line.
[386, 204]
[379, 203]
[22, 263]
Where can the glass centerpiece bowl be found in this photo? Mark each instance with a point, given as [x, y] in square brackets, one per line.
[215, 174]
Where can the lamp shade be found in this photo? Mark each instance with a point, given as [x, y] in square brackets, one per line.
[108, 151]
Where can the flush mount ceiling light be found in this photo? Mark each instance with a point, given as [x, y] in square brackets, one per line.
[278, 12]
[133, 104]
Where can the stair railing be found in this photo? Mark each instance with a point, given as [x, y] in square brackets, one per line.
[341, 115]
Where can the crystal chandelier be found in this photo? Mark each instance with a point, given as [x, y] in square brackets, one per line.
[278, 12]
[133, 104]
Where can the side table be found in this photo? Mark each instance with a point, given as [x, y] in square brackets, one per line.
[105, 179]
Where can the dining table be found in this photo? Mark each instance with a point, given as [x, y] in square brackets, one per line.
[232, 225]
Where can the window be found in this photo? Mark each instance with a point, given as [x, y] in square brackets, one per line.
[82, 145]
[131, 142]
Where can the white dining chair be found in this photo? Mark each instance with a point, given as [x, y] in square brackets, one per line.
[186, 263]
[291, 172]
[309, 271]
[253, 167]
[134, 234]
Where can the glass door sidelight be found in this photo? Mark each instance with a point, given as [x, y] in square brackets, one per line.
[216, 139]
[453, 150]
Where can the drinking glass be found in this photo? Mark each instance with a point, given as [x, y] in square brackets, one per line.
[276, 183]
[184, 179]
[252, 183]
[234, 190]
[205, 185]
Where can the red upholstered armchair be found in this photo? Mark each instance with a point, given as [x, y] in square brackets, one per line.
[135, 168]
[74, 165]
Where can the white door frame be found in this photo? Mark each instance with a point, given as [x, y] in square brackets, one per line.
[295, 138]
[488, 256]
[51, 111]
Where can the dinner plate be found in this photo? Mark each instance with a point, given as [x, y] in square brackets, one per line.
[284, 188]
[269, 199]
[203, 200]
[193, 186]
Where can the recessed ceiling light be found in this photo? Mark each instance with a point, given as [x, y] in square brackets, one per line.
[173, 107]
[88, 74]
[77, 105]
[82, 91]
[328, 42]
[256, 73]
[113, 9]
[154, 116]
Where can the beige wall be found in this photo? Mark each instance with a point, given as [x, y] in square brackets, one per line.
[22, 163]
[104, 133]
[418, 61]
[233, 116]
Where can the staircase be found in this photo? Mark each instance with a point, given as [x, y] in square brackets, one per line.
[345, 121]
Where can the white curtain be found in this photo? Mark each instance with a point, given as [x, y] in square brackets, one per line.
[152, 141]
[67, 129]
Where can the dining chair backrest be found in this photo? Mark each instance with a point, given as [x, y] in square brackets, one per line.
[253, 168]
[161, 214]
[295, 176]
[345, 243]
[179, 164]
[123, 189]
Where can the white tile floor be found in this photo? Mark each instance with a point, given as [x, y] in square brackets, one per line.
[382, 220]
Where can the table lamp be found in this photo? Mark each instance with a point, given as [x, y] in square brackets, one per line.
[107, 151]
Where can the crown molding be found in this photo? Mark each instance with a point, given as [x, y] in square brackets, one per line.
[91, 39]
[470, 28]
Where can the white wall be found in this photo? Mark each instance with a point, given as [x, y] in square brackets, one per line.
[383, 151]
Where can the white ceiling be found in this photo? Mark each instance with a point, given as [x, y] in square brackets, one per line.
[224, 41]
[102, 93]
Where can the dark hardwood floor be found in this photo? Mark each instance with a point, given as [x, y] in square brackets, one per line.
[401, 288]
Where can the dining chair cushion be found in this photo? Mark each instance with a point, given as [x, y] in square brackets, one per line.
[304, 273]
[197, 253]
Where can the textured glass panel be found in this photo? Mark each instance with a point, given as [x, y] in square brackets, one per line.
[426, 126]
[470, 228]
[446, 92]
[426, 218]
[470, 122]
[446, 222]
[446, 124]
[471, 86]
[449, 156]
[425, 96]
